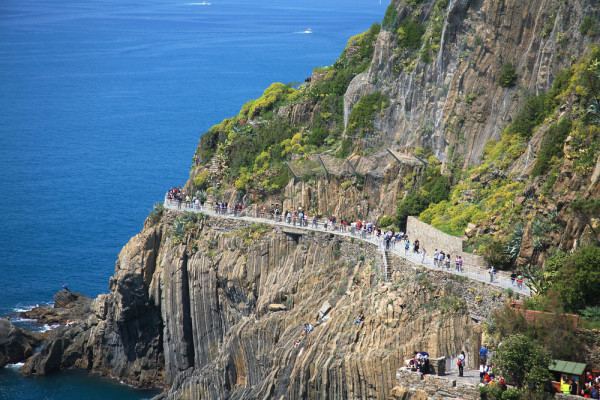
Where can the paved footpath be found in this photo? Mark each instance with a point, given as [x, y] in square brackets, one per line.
[471, 272]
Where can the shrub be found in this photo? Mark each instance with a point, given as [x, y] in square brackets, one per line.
[410, 33]
[346, 185]
[201, 180]
[523, 360]
[508, 76]
[470, 98]
[413, 204]
[495, 254]
[156, 213]
[530, 115]
[386, 221]
[587, 25]
[591, 313]
[552, 146]
[512, 394]
[242, 182]
[490, 392]
[280, 179]
[578, 279]
[318, 135]
[273, 94]
[345, 148]
[390, 19]
[201, 195]
[363, 113]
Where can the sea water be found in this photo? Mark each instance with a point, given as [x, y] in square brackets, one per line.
[101, 107]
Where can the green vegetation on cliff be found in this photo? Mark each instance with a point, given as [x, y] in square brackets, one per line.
[252, 146]
[432, 188]
[488, 192]
[360, 120]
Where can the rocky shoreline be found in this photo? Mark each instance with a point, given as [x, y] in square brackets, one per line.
[19, 344]
[68, 307]
[16, 344]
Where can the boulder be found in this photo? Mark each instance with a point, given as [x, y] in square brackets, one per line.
[277, 307]
[325, 308]
[68, 306]
[16, 344]
[65, 298]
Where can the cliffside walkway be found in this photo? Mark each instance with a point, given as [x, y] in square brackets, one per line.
[470, 272]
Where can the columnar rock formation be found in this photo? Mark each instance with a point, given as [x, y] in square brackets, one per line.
[211, 308]
[453, 103]
[215, 314]
[15, 343]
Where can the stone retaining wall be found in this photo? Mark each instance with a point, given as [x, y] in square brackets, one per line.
[415, 385]
[432, 238]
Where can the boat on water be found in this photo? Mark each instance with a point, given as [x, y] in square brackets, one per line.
[204, 3]
[308, 31]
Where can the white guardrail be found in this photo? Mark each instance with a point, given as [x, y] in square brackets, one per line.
[468, 271]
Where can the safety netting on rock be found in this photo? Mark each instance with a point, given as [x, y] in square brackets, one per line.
[319, 165]
[307, 167]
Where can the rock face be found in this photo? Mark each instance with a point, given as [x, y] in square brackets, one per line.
[215, 314]
[16, 344]
[452, 103]
[416, 386]
[68, 307]
[215, 311]
[122, 336]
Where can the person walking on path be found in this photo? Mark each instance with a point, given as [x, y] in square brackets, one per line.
[461, 363]
[492, 271]
[435, 257]
[448, 258]
[483, 354]
[423, 252]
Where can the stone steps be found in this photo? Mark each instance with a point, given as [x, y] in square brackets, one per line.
[387, 266]
[214, 165]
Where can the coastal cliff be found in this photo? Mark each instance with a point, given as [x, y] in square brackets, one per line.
[425, 114]
[215, 313]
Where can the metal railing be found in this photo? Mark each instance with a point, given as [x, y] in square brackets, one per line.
[397, 248]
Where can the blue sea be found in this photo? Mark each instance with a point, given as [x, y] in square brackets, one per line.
[101, 107]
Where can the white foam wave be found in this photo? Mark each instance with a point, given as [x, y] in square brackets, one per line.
[20, 309]
[15, 365]
[305, 32]
[204, 3]
[20, 319]
[48, 327]
[28, 308]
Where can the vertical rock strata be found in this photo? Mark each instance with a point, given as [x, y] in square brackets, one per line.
[218, 315]
[452, 103]
[214, 313]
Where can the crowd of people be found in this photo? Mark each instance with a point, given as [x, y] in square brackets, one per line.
[226, 209]
[390, 238]
[419, 362]
[590, 388]
[178, 197]
[442, 259]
